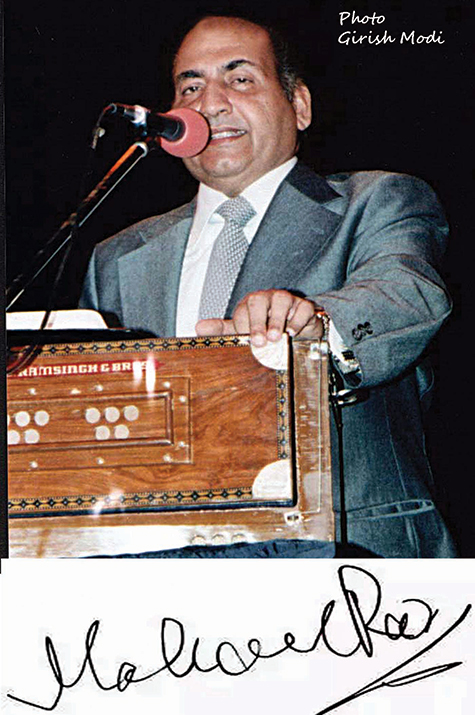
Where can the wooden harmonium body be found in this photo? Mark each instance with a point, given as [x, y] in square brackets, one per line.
[142, 445]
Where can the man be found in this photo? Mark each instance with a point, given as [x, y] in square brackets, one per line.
[363, 247]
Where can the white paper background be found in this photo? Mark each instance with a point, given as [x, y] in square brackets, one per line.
[229, 600]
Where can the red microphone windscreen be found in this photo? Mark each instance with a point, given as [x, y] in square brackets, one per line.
[195, 137]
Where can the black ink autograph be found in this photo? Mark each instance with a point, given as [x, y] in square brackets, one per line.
[230, 661]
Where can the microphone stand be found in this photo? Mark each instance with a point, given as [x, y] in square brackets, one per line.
[63, 235]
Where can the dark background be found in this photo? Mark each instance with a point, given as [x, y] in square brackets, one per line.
[390, 106]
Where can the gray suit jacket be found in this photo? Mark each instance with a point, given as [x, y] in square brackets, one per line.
[366, 247]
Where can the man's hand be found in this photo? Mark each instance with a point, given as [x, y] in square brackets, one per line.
[265, 315]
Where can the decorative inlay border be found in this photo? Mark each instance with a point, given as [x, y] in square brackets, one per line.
[283, 432]
[145, 345]
[103, 503]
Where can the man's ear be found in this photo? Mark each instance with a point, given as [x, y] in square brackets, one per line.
[302, 104]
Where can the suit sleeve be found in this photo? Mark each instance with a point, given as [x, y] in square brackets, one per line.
[393, 300]
[101, 287]
[89, 298]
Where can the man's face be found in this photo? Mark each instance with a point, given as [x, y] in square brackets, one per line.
[225, 68]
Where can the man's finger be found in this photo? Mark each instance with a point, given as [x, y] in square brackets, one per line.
[313, 329]
[215, 326]
[251, 317]
[303, 316]
[281, 305]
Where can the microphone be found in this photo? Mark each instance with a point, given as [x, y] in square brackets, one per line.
[182, 132]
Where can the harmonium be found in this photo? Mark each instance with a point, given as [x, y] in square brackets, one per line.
[125, 445]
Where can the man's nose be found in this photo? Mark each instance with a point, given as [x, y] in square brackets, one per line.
[215, 101]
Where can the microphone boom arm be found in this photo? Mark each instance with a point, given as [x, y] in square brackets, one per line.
[87, 206]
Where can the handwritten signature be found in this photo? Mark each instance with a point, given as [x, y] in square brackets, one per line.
[229, 660]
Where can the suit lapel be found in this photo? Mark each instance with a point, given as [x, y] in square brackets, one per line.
[153, 272]
[290, 237]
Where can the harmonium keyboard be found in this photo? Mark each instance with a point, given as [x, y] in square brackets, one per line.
[123, 446]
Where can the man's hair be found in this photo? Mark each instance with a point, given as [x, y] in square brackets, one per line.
[288, 67]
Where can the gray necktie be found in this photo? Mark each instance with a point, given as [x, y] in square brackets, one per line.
[226, 258]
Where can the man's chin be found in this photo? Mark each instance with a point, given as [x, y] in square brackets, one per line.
[212, 172]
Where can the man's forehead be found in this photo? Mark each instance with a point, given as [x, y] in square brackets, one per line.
[223, 40]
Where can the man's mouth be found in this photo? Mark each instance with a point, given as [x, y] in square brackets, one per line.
[217, 134]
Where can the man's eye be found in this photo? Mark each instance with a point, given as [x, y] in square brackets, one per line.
[242, 81]
[191, 89]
